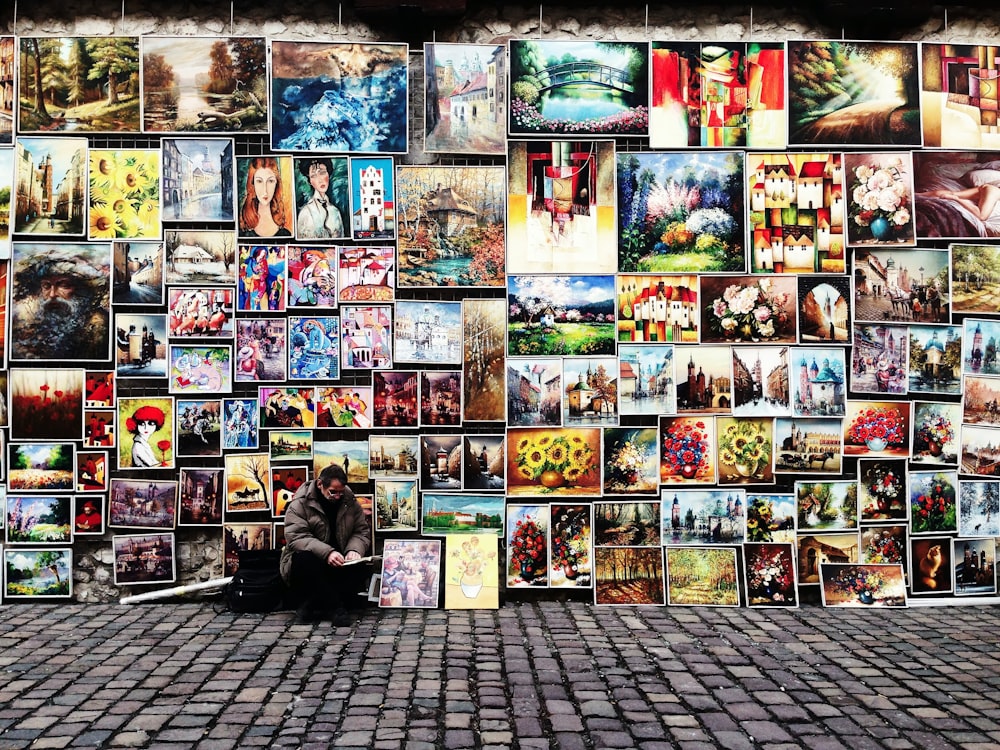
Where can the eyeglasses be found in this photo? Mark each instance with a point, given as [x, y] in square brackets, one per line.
[330, 492]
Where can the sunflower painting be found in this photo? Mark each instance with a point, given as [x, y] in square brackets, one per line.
[564, 461]
[124, 194]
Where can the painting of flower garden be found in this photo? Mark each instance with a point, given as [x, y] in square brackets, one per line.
[681, 212]
[561, 315]
[569, 86]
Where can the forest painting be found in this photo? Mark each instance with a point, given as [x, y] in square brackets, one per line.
[975, 278]
[628, 575]
[564, 86]
[483, 327]
[681, 212]
[206, 84]
[450, 222]
[702, 576]
[853, 93]
[86, 84]
[464, 102]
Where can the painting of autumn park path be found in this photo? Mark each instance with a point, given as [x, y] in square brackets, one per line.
[629, 575]
[702, 575]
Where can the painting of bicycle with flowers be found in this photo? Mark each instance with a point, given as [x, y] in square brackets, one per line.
[561, 461]
[854, 585]
[769, 575]
[744, 309]
[687, 450]
[879, 199]
[124, 194]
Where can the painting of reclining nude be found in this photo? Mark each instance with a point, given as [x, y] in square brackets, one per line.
[957, 194]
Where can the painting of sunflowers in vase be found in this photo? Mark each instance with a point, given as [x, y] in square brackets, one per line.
[745, 449]
[124, 194]
[562, 461]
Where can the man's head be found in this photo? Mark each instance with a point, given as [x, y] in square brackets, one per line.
[331, 482]
[317, 170]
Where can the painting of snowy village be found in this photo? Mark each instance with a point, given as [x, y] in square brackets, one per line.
[200, 257]
[451, 225]
[465, 91]
[196, 181]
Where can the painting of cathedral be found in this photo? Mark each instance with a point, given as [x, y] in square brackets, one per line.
[591, 395]
[817, 380]
[810, 445]
[760, 381]
[704, 380]
[824, 309]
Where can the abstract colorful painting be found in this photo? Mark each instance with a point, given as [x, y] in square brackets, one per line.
[366, 337]
[366, 274]
[313, 347]
[656, 309]
[959, 101]
[411, 573]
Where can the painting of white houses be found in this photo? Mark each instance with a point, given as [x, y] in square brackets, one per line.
[428, 331]
[797, 212]
[200, 257]
[366, 274]
[366, 337]
[372, 205]
[465, 98]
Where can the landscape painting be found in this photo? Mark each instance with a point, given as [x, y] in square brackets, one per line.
[483, 332]
[200, 256]
[632, 576]
[702, 576]
[30, 573]
[464, 103]
[7, 101]
[680, 212]
[204, 84]
[845, 94]
[451, 225]
[560, 315]
[578, 86]
[197, 179]
[138, 273]
[340, 97]
[79, 83]
[975, 278]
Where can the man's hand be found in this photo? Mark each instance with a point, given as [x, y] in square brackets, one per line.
[335, 559]
[353, 555]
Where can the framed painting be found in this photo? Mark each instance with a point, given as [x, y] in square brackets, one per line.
[680, 212]
[826, 506]
[143, 503]
[808, 446]
[200, 369]
[266, 205]
[633, 523]
[285, 482]
[395, 398]
[91, 471]
[973, 270]
[60, 302]
[124, 194]
[260, 282]
[979, 347]
[568, 315]
[393, 456]
[567, 86]
[148, 424]
[483, 333]
[591, 396]
[200, 312]
[38, 520]
[979, 400]
[818, 381]
[958, 96]
[879, 189]
[198, 257]
[344, 406]
[646, 379]
[90, 83]
[88, 515]
[366, 337]
[629, 576]
[935, 433]
[706, 387]
[98, 390]
[655, 309]
[239, 537]
[451, 226]
[882, 493]
[40, 467]
[411, 573]
[631, 461]
[312, 278]
[460, 515]
[703, 516]
[427, 332]
[527, 561]
[760, 381]
[561, 461]
[313, 347]
[48, 163]
[248, 482]
[814, 549]
[216, 84]
[560, 206]
[862, 585]
[877, 428]
[534, 392]
[196, 179]
[484, 460]
[290, 445]
[953, 194]
[340, 97]
[770, 518]
[138, 273]
[240, 427]
[824, 309]
[350, 455]
[687, 450]
[140, 345]
[745, 450]
[31, 573]
[979, 455]
[880, 358]
[396, 505]
[373, 204]
[471, 572]
[46, 404]
[322, 197]
[201, 491]
[745, 309]
[366, 274]
[902, 286]
[826, 107]
[702, 576]
[718, 95]
[978, 508]
[441, 462]
[931, 565]
[464, 87]
[6, 185]
[884, 545]
[933, 502]
[769, 575]
[260, 350]
[571, 549]
[7, 55]
[99, 428]
[974, 571]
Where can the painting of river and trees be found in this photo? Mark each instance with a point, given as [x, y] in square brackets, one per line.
[207, 84]
[628, 575]
[79, 83]
[38, 572]
[450, 223]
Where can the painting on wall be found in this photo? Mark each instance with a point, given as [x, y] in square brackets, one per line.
[862, 585]
[702, 576]
[718, 95]
[373, 198]
[680, 212]
[40, 467]
[745, 309]
[687, 450]
[200, 369]
[631, 460]
[646, 379]
[339, 97]
[974, 571]
[260, 350]
[312, 276]
[322, 197]
[591, 396]
[656, 309]
[527, 546]
[879, 199]
[46, 404]
[44, 165]
[808, 445]
[953, 193]
[144, 558]
[366, 274]
[484, 460]
[769, 575]
[200, 256]
[571, 551]
[32, 573]
[465, 101]
[147, 440]
[483, 332]
[770, 517]
[138, 273]
[958, 96]
[313, 347]
[760, 381]
[265, 201]
[143, 503]
[197, 179]
[880, 358]
[847, 93]
[204, 84]
[7, 55]
[201, 497]
[200, 312]
[454, 515]
[427, 332]
[396, 395]
[633, 576]
[124, 194]
[366, 337]
[975, 278]
[261, 278]
[38, 520]
[554, 461]
[396, 505]
[199, 427]
[824, 309]
[6, 184]
[140, 345]
[712, 516]
[935, 433]
[567, 315]
[248, 482]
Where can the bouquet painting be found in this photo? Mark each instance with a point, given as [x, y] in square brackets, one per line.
[749, 309]
[124, 194]
[630, 460]
[883, 489]
[770, 572]
[562, 461]
[884, 545]
[934, 435]
[527, 548]
[570, 546]
[686, 450]
[880, 199]
[847, 585]
[933, 507]
[877, 428]
[745, 448]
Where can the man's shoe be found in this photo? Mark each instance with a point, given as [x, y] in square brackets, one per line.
[306, 614]
[342, 618]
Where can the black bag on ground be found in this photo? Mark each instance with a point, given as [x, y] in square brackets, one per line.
[257, 585]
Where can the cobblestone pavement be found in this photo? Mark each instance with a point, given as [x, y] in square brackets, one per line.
[530, 675]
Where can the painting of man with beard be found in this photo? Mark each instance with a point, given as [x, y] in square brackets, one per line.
[60, 298]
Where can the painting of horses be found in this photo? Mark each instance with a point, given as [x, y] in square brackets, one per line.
[812, 445]
[248, 482]
[911, 286]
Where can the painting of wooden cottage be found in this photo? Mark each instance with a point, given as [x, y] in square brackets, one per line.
[465, 98]
[200, 257]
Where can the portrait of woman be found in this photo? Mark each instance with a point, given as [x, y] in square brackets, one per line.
[146, 439]
[265, 200]
[143, 423]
